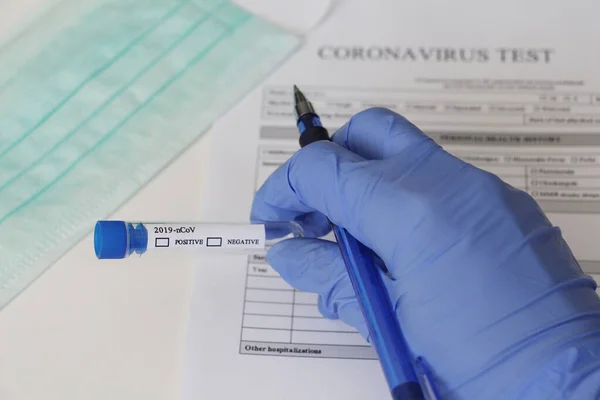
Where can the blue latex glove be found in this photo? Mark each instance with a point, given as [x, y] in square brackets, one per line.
[484, 286]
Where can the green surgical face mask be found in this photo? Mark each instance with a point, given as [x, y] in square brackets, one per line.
[97, 97]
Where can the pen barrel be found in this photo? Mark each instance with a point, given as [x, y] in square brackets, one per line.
[373, 298]
[384, 330]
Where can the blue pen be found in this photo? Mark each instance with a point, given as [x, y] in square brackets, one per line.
[384, 329]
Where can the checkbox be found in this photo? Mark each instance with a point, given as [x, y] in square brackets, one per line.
[214, 242]
[161, 242]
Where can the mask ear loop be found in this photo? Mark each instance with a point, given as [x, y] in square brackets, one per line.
[327, 10]
[323, 9]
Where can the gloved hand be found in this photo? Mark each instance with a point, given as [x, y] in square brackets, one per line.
[485, 288]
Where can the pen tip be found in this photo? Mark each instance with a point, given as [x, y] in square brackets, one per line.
[296, 90]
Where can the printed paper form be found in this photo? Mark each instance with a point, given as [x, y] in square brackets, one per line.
[522, 104]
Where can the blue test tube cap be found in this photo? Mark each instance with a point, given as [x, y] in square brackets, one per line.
[110, 239]
[119, 239]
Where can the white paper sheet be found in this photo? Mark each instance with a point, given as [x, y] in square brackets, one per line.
[512, 87]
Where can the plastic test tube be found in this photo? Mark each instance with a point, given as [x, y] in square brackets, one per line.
[120, 239]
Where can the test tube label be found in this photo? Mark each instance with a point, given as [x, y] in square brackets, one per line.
[221, 236]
